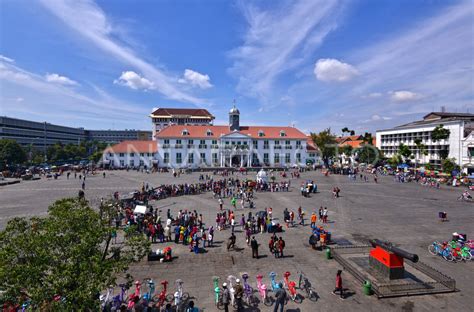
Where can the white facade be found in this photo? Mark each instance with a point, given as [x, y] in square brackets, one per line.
[232, 150]
[130, 159]
[457, 144]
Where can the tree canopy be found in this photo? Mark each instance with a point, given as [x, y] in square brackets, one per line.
[11, 153]
[67, 254]
[326, 142]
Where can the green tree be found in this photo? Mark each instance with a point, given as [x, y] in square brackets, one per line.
[368, 154]
[404, 151]
[421, 149]
[449, 164]
[66, 253]
[346, 150]
[326, 142]
[367, 138]
[11, 153]
[440, 133]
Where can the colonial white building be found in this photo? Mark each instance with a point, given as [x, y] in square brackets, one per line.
[188, 146]
[460, 142]
[164, 117]
[131, 154]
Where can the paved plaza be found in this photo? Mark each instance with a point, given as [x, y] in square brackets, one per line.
[405, 214]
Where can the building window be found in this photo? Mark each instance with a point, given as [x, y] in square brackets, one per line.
[185, 132]
[277, 142]
[265, 144]
[178, 141]
[214, 142]
[166, 158]
[122, 163]
[287, 142]
[190, 142]
[209, 132]
[260, 133]
[178, 158]
[470, 152]
[298, 157]
[276, 158]
[166, 141]
[110, 154]
[282, 133]
[215, 160]
[203, 157]
[311, 154]
[265, 158]
[121, 154]
[191, 158]
[142, 163]
[132, 163]
[298, 144]
[202, 142]
[142, 154]
[255, 144]
[132, 154]
[287, 158]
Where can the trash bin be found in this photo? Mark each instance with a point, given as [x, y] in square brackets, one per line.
[367, 288]
[328, 253]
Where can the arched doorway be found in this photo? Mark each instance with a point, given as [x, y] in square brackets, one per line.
[235, 161]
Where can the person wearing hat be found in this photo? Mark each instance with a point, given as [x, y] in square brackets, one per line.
[339, 284]
[239, 292]
[225, 297]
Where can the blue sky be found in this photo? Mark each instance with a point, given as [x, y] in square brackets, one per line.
[364, 64]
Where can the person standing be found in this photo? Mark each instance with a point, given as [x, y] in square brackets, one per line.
[313, 220]
[238, 294]
[225, 297]
[325, 215]
[280, 298]
[221, 203]
[254, 245]
[320, 211]
[339, 284]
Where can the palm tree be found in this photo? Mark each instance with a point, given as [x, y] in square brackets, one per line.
[420, 150]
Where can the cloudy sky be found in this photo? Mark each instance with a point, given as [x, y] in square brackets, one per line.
[364, 64]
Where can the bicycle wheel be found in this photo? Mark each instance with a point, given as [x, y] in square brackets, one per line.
[467, 256]
[312, 295]
[185, 297]
[432, 249]
[268, 301]
[169, 298]
[447, 255]
[298, 298]
[457, 256]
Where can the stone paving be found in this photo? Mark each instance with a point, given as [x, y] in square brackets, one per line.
[405, 214]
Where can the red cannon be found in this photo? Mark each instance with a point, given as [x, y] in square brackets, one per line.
[387, 260]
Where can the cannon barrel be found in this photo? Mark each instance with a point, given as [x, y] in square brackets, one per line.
[399, 252]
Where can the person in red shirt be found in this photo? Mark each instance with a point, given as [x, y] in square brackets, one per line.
[339, 284]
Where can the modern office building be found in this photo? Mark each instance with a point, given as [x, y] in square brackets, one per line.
[460, 143]
[117, 136]
[39, 134]
[164, 117]
[43, 134]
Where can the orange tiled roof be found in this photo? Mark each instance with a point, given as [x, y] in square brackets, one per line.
[310, 145]
[175, 131]
[356, 143]
[133, 147]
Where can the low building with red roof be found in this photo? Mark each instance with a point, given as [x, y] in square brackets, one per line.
[131, 154]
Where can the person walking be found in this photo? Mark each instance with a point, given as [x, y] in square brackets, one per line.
[325, 215]
[281, 246]
[254, 245]
[339, 285]
[221, 203]
[280, 298]
[320, 212]
[231, 243]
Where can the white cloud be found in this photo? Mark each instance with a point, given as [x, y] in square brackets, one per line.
[378, 117]
[89, 20]
[19, 99]
[404, 96]
[279, 40]
[372, 95]
[6, 59]
[334, 70]
[196, 79]
[60, 79]
[134, 81]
